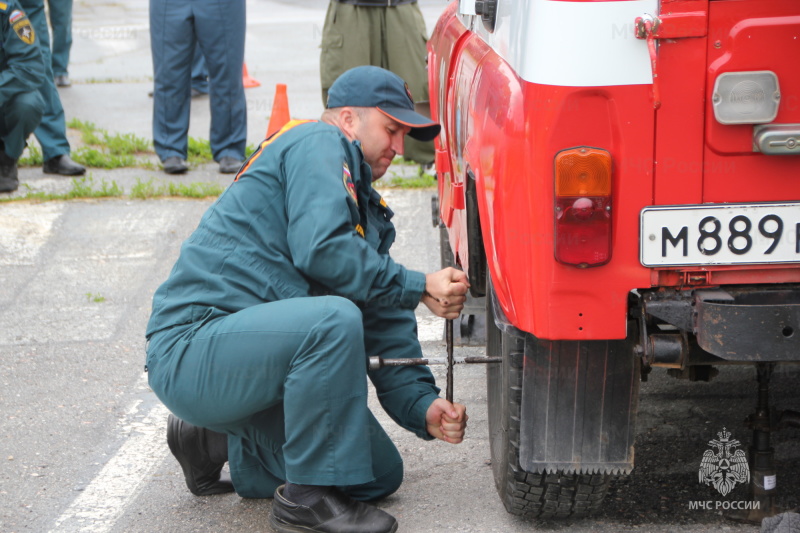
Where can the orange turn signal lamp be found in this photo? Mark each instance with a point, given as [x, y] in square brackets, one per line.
[583, 172]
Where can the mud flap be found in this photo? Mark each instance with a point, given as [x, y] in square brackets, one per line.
[579, 403]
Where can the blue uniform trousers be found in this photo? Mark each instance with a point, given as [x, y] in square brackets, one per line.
[286, 381]
[52, 130]
[18, 118]
[199, 71]
[176, 26]
[61, 22]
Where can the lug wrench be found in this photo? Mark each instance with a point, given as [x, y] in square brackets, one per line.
[376, 362]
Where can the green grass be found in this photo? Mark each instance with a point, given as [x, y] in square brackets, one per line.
[101, 149]
[400, 160]
[105, 150]
[110, 150]
[94, 158]
[199, 151]
[422, 181]
[85, 187]
[33, 159]
[96, 298]
[149, 189]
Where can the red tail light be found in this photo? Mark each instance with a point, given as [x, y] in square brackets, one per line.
[583, 207]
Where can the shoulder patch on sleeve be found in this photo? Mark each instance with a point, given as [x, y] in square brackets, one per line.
[347, 179]
[24, 30]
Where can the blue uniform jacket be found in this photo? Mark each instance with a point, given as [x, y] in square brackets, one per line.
[21, 65]
[302, 219]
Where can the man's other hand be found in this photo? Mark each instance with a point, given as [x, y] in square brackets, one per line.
[446, 292]
[447, 421]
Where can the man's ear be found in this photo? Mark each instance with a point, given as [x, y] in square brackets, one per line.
[348, 122]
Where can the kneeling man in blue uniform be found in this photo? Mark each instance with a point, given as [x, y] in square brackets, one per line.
[21, 75]
[259, 338]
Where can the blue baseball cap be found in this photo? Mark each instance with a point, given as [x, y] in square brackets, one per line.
[369, 86]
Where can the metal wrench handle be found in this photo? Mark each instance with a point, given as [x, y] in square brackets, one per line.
[448, 338]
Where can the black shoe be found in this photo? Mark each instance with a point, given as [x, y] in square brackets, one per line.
[175, 165]
[334, 513]
[64, 165]
[8, 172]
[63, 81]
[229, 165]
[189, 444]
[8, 184]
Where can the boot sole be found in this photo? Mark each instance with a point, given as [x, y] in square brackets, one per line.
[283, 527]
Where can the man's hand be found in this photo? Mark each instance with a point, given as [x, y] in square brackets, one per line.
[446, 292]
[446, 421]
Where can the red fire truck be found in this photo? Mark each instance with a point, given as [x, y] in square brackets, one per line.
[621, 181]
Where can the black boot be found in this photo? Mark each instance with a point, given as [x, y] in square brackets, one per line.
[201, 454]
[333, 512]
[64, 165]
[8, 172]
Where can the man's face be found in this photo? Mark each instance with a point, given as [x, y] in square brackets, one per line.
[381, 139]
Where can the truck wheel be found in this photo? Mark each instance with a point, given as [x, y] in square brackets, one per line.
[526, 494]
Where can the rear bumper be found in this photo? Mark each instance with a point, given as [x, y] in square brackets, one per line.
[747, 324]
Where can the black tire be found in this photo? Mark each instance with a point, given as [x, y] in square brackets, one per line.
[530, 495]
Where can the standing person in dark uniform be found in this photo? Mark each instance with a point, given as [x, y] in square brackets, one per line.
[384, 33]
[60, 13]
[261, 333]
[21, 75]
[52, 131]
[176, 27]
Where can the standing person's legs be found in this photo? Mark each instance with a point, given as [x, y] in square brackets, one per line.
[231, 373]
[172, 42]
[405, 45]
[221, 31]
[351, 37]
[52, 130]
[61, 22]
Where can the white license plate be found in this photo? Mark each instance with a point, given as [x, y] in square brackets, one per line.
[729, 234]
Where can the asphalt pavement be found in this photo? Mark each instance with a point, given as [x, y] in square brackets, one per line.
[82, 442]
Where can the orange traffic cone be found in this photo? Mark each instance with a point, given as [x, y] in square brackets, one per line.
[280, 110]
[247, 81]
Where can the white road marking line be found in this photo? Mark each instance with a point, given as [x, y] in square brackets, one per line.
[105, 499]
